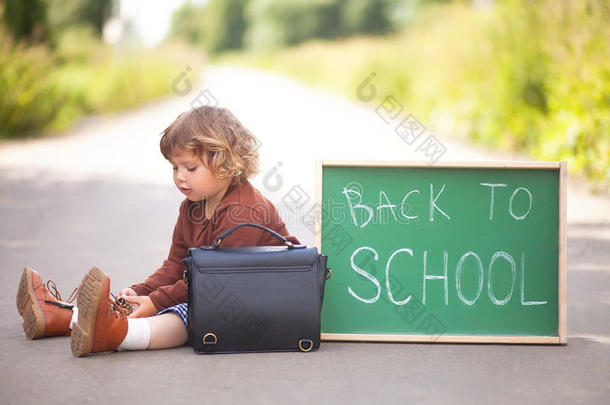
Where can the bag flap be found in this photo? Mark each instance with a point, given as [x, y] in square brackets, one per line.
[252, 256]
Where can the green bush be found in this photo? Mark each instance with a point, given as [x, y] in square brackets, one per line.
[48, 91]
[26, 100]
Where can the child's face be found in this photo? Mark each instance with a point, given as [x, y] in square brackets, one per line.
[195, 180]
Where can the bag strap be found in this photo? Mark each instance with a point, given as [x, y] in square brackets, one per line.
[275, 234]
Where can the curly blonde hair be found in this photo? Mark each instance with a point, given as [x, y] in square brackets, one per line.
[220, 141]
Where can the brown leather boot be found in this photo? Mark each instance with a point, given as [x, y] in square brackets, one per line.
[101, 325]
[43, 312]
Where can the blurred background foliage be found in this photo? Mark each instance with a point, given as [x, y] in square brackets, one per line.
[55, 68]
[221, 25]
[522, 75]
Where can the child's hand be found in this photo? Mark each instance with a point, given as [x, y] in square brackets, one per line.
[125, 292]
[143, 306]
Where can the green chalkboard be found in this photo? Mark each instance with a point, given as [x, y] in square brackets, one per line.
[458, 252]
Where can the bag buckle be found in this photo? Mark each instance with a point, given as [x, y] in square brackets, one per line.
[307, 347]
[213, 341]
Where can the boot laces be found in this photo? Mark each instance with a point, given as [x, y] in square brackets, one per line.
[120, 305]
[52, 288]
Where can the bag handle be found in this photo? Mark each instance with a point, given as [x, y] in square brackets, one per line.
[275, 234]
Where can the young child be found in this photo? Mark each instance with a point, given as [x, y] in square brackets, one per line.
[212, 155]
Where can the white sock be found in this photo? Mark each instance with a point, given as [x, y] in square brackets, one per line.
[74, 317]
[138, 334]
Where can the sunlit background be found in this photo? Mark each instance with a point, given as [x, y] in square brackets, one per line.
[514, 75]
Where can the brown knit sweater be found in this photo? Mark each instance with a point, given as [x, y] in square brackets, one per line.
[241, 203]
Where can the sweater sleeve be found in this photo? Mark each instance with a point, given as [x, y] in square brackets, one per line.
[170, 271]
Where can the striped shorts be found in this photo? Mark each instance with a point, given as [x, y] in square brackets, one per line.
[182, 310]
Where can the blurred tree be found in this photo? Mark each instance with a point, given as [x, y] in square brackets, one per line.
[224, 24]
[26, 19]
[366, 16]
[188, 23]
[63, 14]
[273, 23]
[261, 24]
[95, 13]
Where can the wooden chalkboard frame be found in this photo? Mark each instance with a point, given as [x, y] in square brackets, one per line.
[561, 167]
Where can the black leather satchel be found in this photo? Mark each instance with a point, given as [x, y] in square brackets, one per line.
[255, 298]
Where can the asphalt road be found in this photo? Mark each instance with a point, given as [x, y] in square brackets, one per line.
[102, 195]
